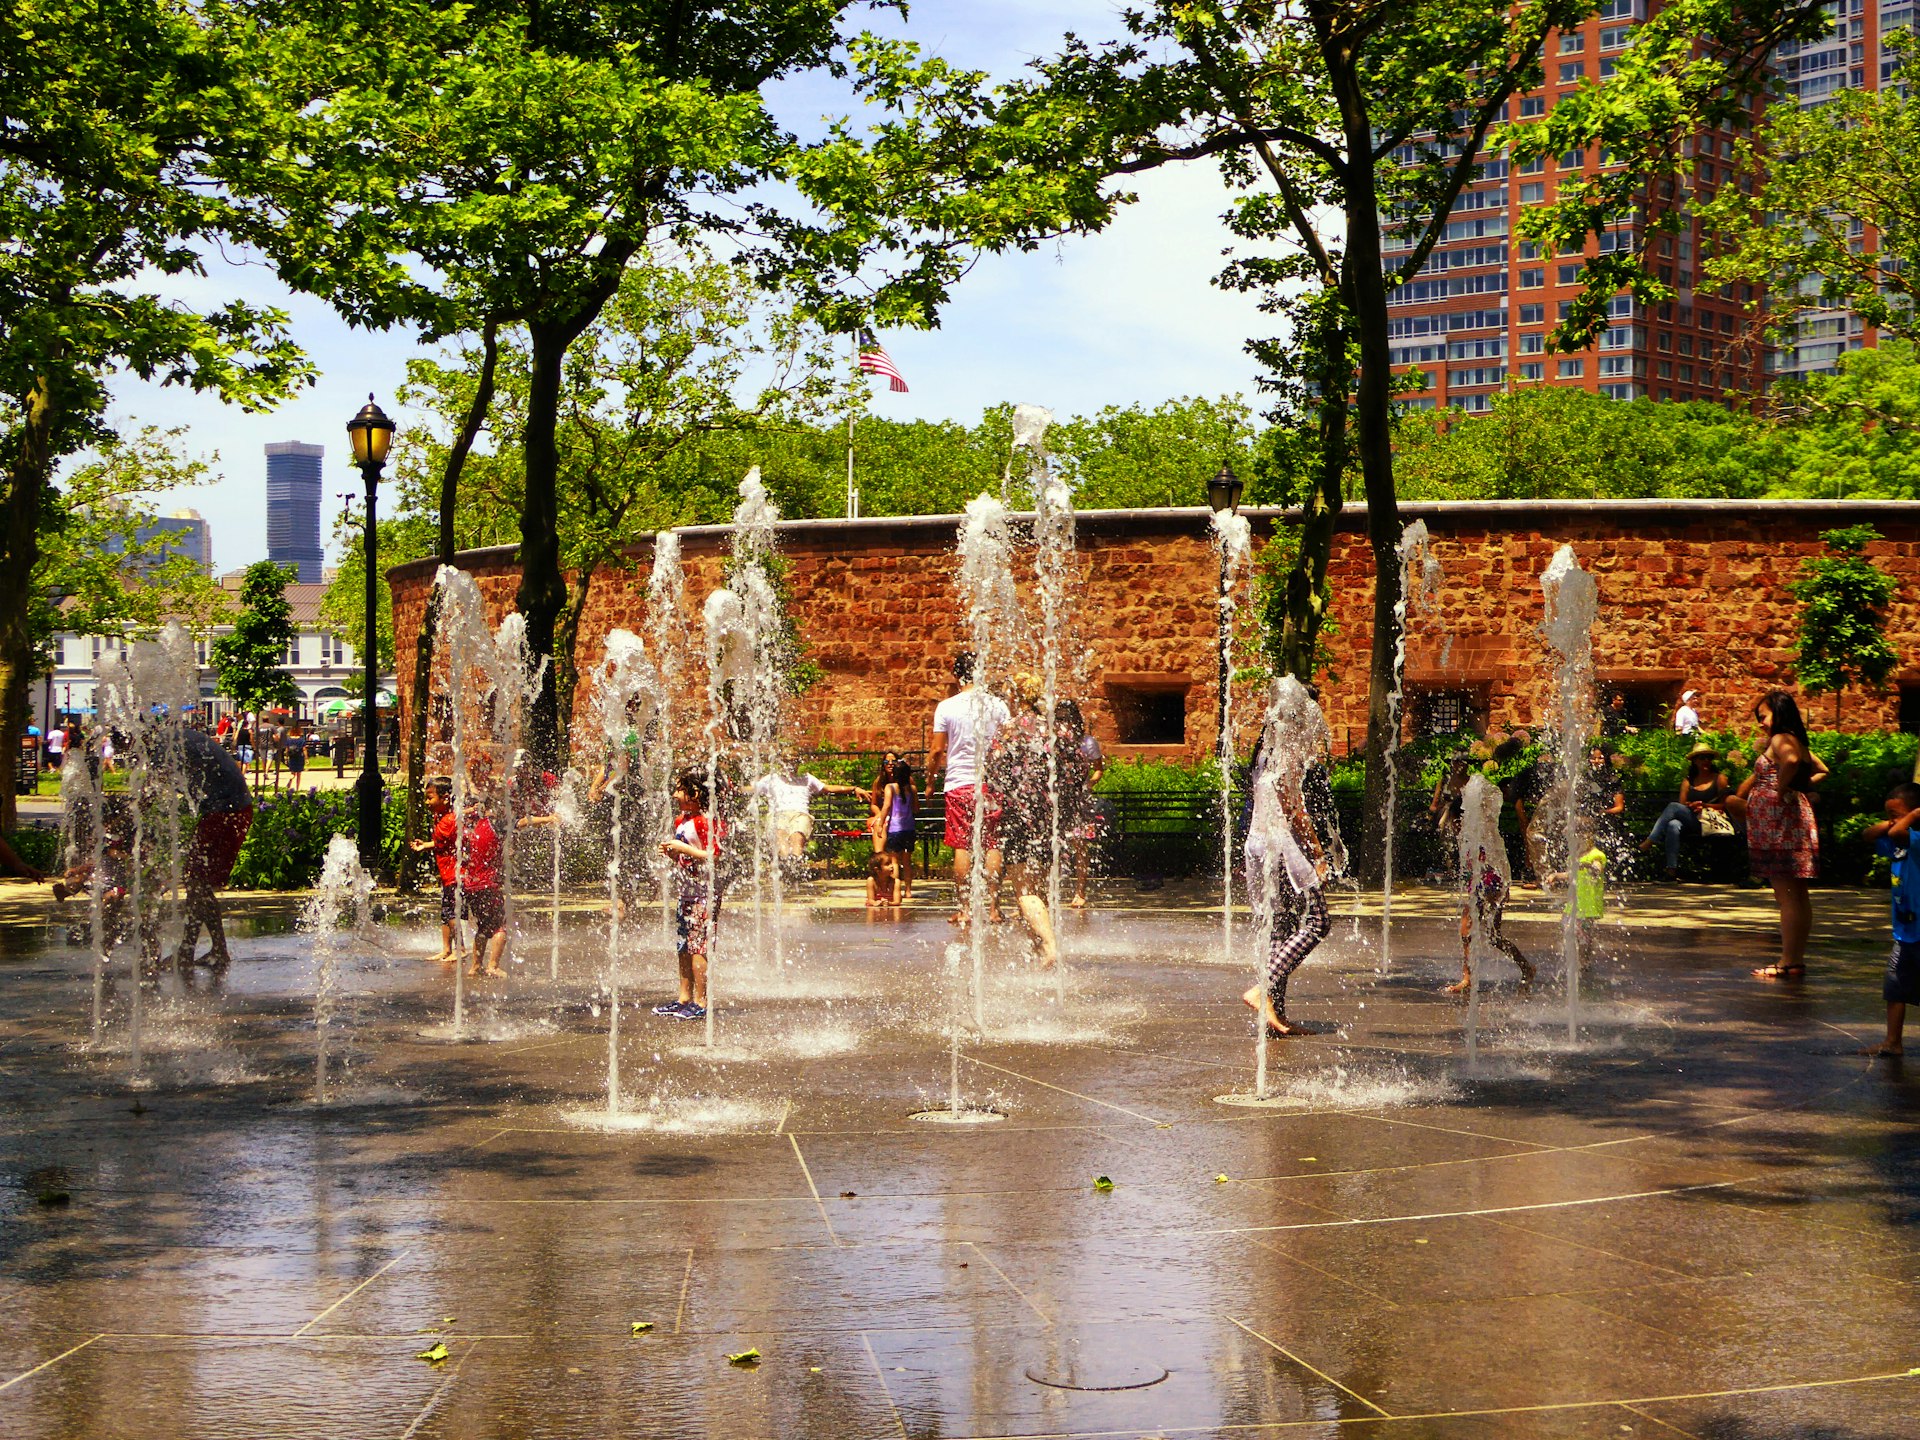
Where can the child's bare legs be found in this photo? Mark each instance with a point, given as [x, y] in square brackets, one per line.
[693, 979]
[1080, 850]
[445, 957]
[1896, 1025]
[1033, 910]
[1466, 956]
[496, 947]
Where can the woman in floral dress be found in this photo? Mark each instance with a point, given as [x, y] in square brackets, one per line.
[1782, 842]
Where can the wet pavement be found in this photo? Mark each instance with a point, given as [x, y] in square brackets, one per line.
[1698, 1221]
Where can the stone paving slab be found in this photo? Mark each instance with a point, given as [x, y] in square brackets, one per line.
[1701, 1220]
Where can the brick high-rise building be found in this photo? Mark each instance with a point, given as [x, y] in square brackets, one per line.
[1477, 317]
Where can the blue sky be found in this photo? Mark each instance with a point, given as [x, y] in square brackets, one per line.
[1127, 316]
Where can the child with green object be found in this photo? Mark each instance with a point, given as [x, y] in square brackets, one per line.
[1589, 898]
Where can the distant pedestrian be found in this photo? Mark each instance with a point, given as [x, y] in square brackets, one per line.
[1686, 719]
[296, 755]
[56, 745]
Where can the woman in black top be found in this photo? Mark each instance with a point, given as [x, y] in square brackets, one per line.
[1703, 788]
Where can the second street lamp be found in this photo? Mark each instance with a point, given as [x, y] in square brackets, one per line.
[371, 432]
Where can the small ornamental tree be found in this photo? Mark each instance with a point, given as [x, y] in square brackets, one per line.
[1843, 621]
[249, 660]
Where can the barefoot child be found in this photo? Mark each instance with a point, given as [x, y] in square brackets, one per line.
[442, 840]
[1892, 838]
[697, 903]
[1489, 896]
[480, 883]
[1283, 854]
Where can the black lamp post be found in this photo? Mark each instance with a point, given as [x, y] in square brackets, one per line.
[1223, 494]
[371, 433]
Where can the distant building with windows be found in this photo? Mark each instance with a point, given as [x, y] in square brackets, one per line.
[184, 532]
[1477, 317]
[1855, 56]
[293, 508]
[317, 659]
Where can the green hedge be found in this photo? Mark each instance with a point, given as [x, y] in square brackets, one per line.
[291, 830]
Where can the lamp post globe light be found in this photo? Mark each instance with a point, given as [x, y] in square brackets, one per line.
[1223, 494]
[371, 432]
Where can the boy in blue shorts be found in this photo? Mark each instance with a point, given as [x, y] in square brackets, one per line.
[1892, 838]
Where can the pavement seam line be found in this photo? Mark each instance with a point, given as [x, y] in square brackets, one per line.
[433, 1400]
[29, 1374]
[1379, 1410]
[974, 1246]
[1464, 1214]
[820, 1205]
[1779, 1389]
[1061, 1089]
[350, 1294]
[686, 1284]
[885, 1389]
[1664, 1425]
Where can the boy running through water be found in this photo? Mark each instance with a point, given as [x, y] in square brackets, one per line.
[1488, 895]
[1893, 838]
[696, 891]
[474, 874]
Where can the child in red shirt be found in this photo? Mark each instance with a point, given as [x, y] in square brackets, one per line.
[478, 879]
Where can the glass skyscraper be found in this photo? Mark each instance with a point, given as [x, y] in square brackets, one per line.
[293, 507]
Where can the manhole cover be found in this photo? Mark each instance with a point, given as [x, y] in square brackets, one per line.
[1098, 1375]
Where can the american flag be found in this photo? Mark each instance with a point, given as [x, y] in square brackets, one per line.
[874, 360]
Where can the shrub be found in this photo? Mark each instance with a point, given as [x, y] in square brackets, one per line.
[291, 831]
[39, 848]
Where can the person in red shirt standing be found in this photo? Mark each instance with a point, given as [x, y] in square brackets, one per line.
[697, 904]
[480, 883]
[469, 867]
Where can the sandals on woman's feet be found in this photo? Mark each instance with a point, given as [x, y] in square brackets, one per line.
[1780, 972]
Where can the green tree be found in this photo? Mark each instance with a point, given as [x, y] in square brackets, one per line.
[248, 658]
[1851, 432]
[1843, 618]
[1346, 129]
[471, 168]
[1834, 220]
[114, 113]
[1543, 442]
[683, 353]
[93, 574]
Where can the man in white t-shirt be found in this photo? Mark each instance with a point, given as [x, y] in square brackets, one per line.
[56, 746]
[789, 798]
[963, 729]
[1686, 719]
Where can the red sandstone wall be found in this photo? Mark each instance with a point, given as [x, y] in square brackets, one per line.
[1687, 597]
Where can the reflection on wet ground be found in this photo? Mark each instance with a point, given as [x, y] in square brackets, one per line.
[1701, 1221]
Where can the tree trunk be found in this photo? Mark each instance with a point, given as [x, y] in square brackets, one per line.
[1373, 439]
[476, 417]
[20, 535]
[1306, 592]
[566, 667]
[543, 587]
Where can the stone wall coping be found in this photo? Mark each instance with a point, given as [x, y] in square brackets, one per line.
[1195, 519]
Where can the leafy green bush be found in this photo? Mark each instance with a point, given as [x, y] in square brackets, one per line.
[39, 848]
[291, 831]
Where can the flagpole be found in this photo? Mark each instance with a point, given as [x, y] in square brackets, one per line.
[853, 495]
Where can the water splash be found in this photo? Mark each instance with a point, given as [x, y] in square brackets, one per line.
[1416, 559]
[625, 709]
[343, 889]
[1053, 566]
[666, 629]
[1295, 739]
[1480, 850]
[1572, 606]
[1233, 538]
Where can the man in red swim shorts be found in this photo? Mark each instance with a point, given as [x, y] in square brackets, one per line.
[963, 729]
[217, 790]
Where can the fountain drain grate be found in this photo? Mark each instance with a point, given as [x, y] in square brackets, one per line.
[966, 1115]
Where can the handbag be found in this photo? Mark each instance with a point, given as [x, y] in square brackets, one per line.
[1715, 822]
